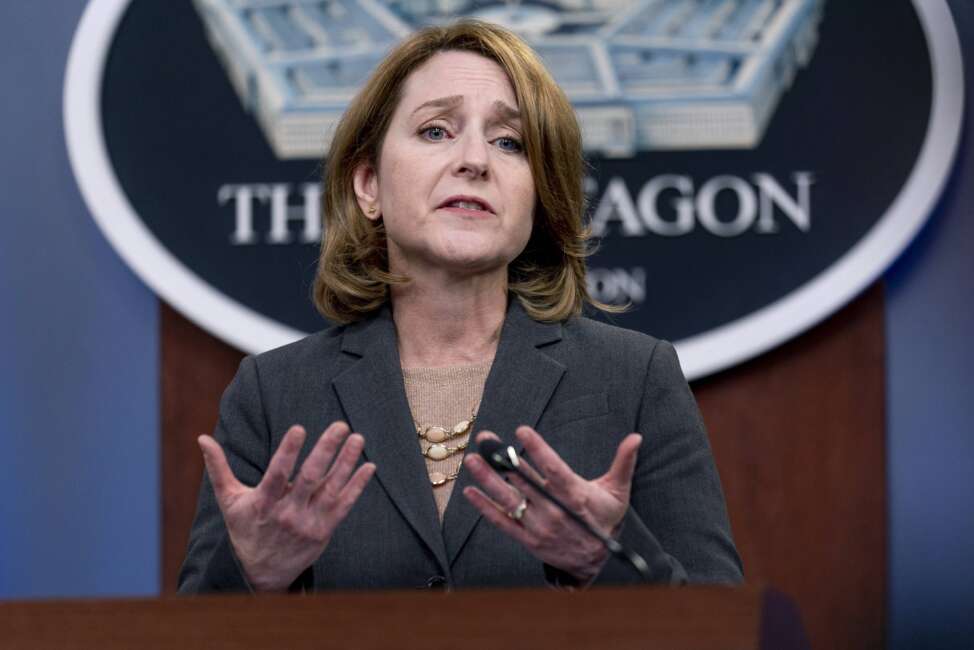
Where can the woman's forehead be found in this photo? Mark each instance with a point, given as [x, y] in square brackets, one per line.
[448, 79]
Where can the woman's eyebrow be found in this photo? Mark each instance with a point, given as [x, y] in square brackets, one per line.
[505, 111]
[442, 102]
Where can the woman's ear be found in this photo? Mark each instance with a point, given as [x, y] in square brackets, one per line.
[365, 181]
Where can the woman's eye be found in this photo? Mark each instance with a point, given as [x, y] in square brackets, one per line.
[434, 133]
[510, 144]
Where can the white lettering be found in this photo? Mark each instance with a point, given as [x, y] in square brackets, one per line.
[279, 214]
[616, 205]
[667, 206]
[683, 204]
[747, 206]
[282, 212]
[243, 195]
[617, 286]
[771, 194]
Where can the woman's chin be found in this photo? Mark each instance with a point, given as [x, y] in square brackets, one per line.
[470, 256]
[460, 256]
[465, 265]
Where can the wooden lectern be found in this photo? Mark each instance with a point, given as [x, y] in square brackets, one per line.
[693, 618]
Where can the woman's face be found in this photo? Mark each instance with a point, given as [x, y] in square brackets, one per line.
[453, 187]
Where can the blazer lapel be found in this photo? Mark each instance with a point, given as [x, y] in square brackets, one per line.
[373, 397]
[519, 386]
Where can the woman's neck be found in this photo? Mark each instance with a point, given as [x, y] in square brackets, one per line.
[442, 321]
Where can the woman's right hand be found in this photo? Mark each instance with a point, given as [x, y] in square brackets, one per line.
[278, 528]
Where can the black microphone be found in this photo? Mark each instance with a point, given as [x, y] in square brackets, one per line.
[503, 458]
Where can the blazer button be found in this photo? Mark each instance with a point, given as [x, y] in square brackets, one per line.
[436, 582]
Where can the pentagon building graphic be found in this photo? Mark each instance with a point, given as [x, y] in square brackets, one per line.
[645, 75]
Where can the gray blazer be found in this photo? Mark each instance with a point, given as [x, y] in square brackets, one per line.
[584, 385]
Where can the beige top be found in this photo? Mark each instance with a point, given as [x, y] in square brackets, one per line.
[443, 397]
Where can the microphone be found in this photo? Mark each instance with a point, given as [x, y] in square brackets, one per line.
[503, 458]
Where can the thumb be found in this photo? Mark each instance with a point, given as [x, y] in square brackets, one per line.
[225, 484]
[619, 477]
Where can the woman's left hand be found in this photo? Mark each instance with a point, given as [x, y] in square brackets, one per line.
[551, 535]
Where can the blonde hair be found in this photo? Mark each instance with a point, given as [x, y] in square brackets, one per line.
[548, 277]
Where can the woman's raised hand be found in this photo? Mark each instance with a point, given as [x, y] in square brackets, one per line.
[279, 528]
[546, 531]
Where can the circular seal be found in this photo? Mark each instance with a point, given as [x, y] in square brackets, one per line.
[754, 166]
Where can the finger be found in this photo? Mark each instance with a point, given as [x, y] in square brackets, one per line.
[501, 492]
[225, 484]
[542, 509]
[486, 435]
[559, 475]
[532, 473]
[312, 471]
[341, 469]
[524, 464]
[496, 515]
[273, 485]
[619, 476]
[351, 492]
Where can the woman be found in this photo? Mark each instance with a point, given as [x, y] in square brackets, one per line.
[454, 263]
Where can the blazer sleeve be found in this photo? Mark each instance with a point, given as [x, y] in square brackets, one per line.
[210, 564]
[677, 520]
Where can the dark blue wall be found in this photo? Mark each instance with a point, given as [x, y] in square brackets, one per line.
[79, 496]
[930, 410]
[79, 412]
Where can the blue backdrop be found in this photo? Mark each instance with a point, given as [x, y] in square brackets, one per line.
[79, 411]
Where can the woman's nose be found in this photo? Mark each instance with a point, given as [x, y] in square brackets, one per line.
[473, 158]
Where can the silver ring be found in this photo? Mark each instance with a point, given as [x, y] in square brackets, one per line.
[518, 513]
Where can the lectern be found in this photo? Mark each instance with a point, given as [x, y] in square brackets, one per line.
[693, 618]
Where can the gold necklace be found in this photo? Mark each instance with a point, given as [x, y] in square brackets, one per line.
[436, 436]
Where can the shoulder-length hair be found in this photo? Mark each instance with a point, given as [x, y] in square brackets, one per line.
[548, 277]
